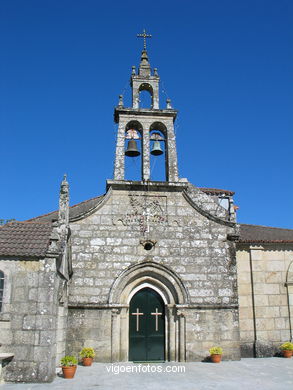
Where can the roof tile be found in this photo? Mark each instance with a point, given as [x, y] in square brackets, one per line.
[26, 239]
[262, 234]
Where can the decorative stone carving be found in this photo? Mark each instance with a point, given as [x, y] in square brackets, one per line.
[145, 210]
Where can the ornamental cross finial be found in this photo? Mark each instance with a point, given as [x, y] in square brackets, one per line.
[144, 35]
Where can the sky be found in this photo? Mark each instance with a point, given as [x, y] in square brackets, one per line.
[226, 65]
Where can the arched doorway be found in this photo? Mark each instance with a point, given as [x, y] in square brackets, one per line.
[146, 326]
[175, 297]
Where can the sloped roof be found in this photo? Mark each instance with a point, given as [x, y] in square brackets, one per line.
[74, 211]
[26, 239]
[263, 234]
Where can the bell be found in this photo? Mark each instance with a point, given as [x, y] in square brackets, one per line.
[132, 150]
[156, 149]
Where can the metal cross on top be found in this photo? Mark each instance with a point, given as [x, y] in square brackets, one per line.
[144, 35]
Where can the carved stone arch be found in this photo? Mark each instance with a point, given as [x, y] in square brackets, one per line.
[160, 126]
[136, 125]
[173, 292]
[146, 87]
[157, 274]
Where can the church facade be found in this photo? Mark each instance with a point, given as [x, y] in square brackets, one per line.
[149, 271]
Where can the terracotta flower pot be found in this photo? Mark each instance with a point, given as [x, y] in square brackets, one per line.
[215, 358]
[87, 361]
[287, 353]
[68, 371]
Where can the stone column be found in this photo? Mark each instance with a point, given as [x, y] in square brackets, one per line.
[135, 98]
[145, 154]
[120, 150]
[115, 335]
[156, 95]
[124, 335]
[171, 162]
[171, 333]
[180, 314]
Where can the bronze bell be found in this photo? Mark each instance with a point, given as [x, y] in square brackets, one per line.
[156, 149]
[132, 150]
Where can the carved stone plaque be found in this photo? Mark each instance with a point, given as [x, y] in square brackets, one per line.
[146, 210]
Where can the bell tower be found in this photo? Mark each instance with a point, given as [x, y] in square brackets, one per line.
[152, 128]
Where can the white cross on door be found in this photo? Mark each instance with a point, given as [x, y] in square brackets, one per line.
[137, 314]
[157, 314]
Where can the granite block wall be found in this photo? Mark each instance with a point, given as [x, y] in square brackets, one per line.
[194, 247]
[28, 319]
[264, 306]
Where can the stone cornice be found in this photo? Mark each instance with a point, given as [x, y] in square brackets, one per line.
[144, 111]
[160, 186]
[177, 306]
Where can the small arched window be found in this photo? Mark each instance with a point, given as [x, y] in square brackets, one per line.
[145, 96]
[1, 288]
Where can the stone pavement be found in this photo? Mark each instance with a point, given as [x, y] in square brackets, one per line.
[248, 374]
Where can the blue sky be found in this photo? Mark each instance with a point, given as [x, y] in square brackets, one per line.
[226, 65]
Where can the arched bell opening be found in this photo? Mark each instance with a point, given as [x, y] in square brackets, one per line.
[133, 150]
[158, 152]
[145, 96]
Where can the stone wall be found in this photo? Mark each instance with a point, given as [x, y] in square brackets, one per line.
[28, 319]
[189, 244]
[207, 328]
[263, 298]
[90, 328]
[62, 318]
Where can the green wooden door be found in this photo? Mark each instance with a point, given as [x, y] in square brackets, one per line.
[146, 326]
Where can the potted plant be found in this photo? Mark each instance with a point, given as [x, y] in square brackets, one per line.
[87, 355]
[68, 364]
[287, 349]
[216, 354]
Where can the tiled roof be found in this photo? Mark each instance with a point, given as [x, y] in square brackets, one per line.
[259, 234]
[216, 191]
[74, 211]
[26, 239]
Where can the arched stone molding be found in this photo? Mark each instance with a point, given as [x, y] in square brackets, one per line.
[289, 284]
[159, 126]
[173, 293]
[157, 274]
